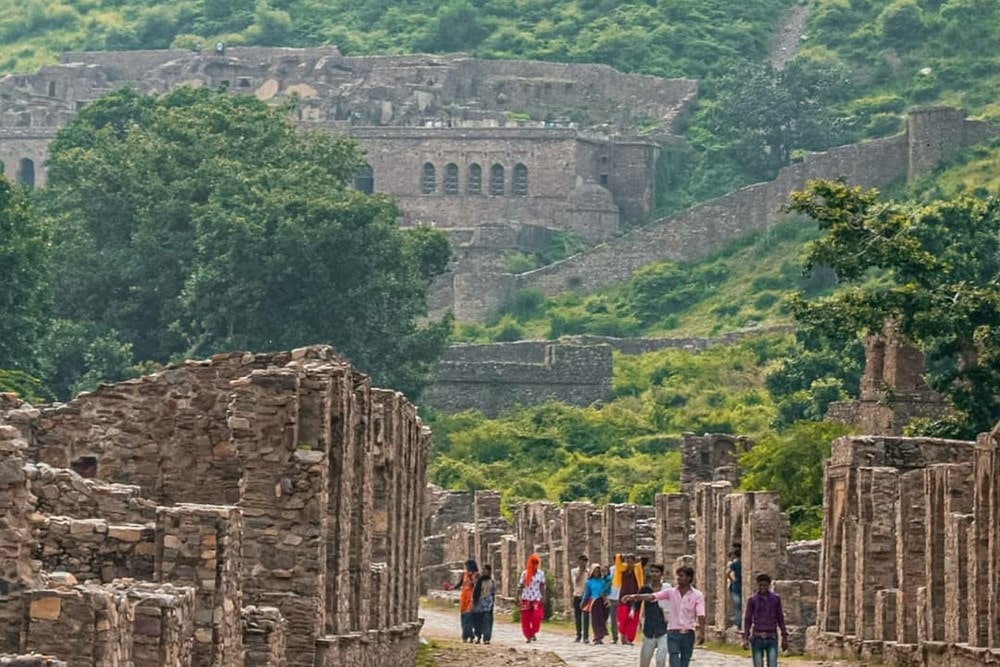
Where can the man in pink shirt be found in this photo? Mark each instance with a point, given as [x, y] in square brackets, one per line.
[686, 615]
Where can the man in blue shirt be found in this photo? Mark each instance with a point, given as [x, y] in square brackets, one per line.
[762, 621]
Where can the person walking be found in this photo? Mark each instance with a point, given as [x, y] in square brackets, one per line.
[685, 615]
[578, 575]
[531, 593]
[465, 588]
[734, 575]
[595, 603]
[483, 596]
[763, 620]
[654, 621]
[628, 578]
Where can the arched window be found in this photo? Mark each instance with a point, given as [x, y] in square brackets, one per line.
[364, 179]
[26, 173]
[474, 184]
[451, 179]
[496, 180]
[428, 179]
[520, 180]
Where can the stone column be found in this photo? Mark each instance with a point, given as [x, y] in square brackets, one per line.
[956, 578]
[576, 538]
[361, 504]
[487, 519]
[17, 574]
[386, 499]
[885, 614]
[910, 545]
[947, 489]
[284, 500]
[987, 461]
[341, 498]
[875, 545]
[673, 535]
[764, 538]
[420, 442]
[837, 502]
[707, 499]
[619, 529]
[199, 546]
[163, 623]
[508, 566]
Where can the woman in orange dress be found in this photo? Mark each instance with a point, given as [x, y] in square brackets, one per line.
[467, 586]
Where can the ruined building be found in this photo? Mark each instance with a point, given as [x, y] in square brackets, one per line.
[500, 154]
[261, 510]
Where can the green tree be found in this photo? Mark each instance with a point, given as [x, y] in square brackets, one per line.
[933, 269]
[199, 221]
[23, 280]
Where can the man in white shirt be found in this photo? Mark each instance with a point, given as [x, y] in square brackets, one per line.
[578, 575]
[686, 615]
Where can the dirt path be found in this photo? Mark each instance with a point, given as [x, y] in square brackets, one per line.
[554, 647]
[785, 42]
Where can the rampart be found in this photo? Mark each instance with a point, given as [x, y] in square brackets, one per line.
[301, 546]
[933, 136]
[492, 378]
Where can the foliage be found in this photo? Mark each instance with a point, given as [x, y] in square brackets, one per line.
[27, 387]
[23, 282]
[939, 283]
[199, 221]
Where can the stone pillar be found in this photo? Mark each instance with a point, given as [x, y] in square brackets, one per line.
[885, 614]
[284, 499]
[199, 546]
[619, 529]
[420, 443]
[387, 501]
[17, 574]
[956, 578]
[508, 566]
[344, 463]
[88, 625]
[488, 522]
[673, 535]
[838, 493]
[707, 500]
[987, 462]
[264, 637]
[875, 545]
[163, 623]
[361, 505]
[910, 545]
[576, 541]
[764, 538]
[947, 489]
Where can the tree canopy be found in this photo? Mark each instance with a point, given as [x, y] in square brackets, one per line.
[199, 221]
[932, 268]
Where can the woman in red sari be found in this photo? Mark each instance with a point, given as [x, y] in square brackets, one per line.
[531, 593]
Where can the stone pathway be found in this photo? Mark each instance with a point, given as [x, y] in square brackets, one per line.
[443, 624]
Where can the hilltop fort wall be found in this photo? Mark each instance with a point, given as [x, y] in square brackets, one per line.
[245, 510]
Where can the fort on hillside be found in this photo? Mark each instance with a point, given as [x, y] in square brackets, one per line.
[500, 154]
[249, 510]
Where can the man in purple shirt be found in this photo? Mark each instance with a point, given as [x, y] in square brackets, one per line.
[762, 621]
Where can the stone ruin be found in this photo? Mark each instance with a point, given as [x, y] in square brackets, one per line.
[695, 528]
[248, 510]
[911, 563]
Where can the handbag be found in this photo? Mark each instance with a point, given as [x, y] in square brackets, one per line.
[587, 606]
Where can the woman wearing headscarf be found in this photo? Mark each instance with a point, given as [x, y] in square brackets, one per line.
[531, 593]
[595, 603]
[466, 590]
[628, 579]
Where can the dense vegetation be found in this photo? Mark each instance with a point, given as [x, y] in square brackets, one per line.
[198, 222]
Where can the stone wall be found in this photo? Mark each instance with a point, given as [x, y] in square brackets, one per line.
[329, 573]
[933, 136]
[493, 378]
[710, 457]
[908, 570]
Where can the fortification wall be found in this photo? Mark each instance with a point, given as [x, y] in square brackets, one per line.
[933, 136]
[492, 378]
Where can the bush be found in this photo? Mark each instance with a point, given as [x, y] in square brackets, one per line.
[883, 125]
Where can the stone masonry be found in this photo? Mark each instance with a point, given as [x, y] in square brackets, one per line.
[909, 572]
[261, 510]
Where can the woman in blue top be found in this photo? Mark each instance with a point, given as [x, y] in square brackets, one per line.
[595, 602]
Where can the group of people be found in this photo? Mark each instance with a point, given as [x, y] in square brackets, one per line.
[631, 593]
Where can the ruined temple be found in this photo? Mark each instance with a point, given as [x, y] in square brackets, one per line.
[262, 510]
